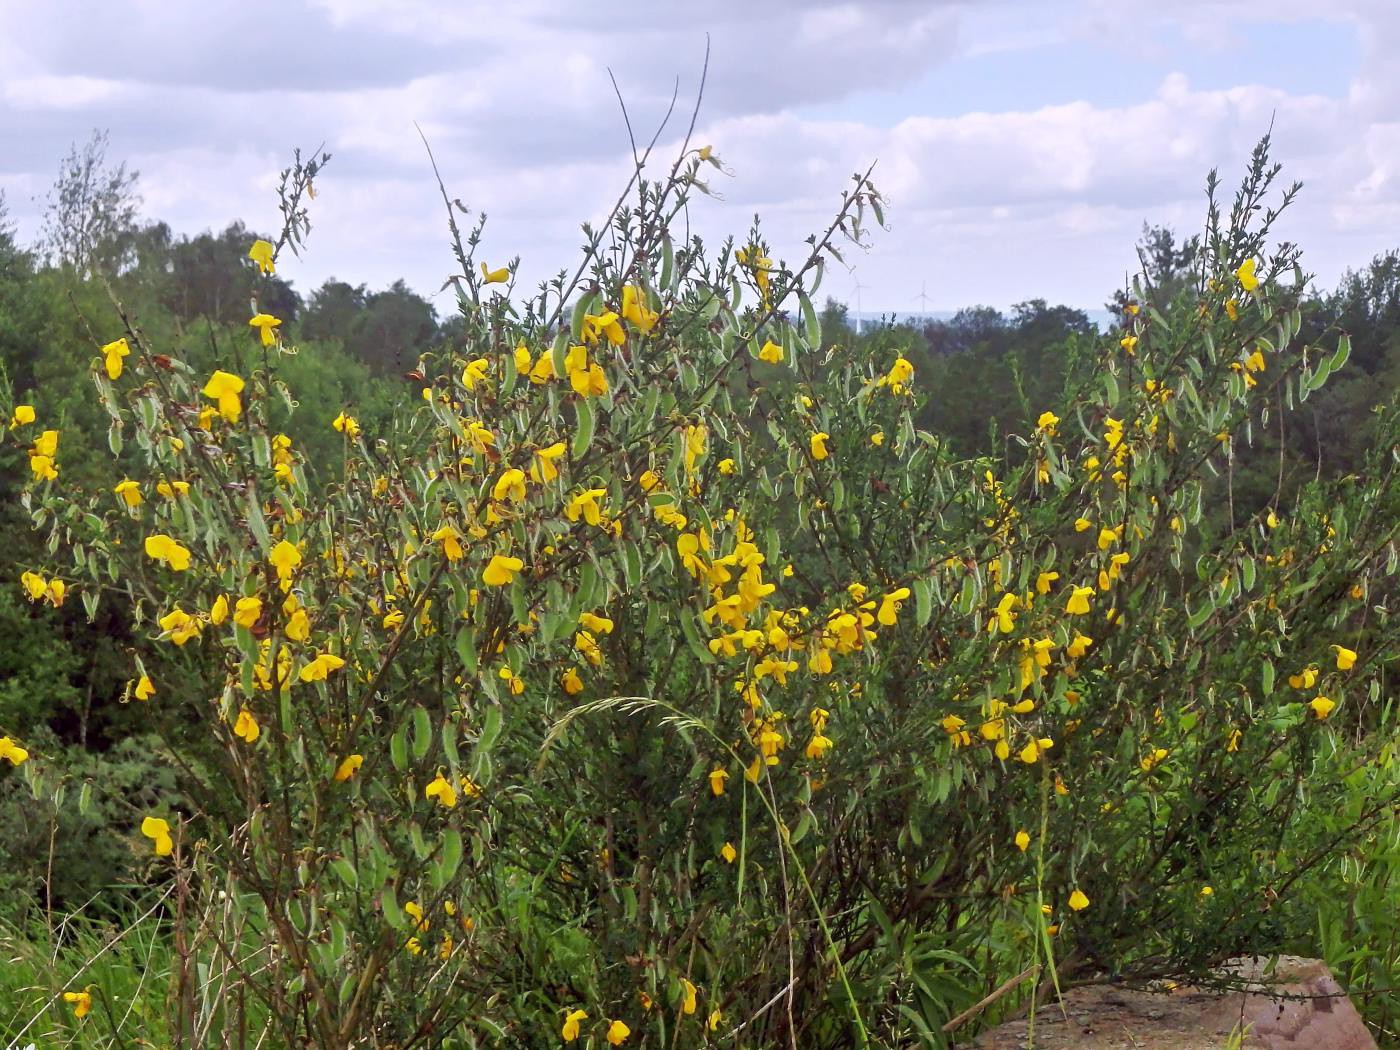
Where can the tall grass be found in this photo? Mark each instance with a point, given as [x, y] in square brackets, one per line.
[127, 970]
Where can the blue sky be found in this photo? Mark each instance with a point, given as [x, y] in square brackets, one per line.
[1021, 144]
[1310, 56]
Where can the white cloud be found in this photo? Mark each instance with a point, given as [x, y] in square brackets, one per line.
[992, 207]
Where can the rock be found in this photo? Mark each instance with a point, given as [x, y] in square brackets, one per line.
[1287, 1003]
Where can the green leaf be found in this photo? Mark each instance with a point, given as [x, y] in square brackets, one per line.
[811, 323]
[450, 860]
[631, 563]
[1343, 353]
[490, 730]
[389, 903]
[466, 648]
[693, 639]
[587, 423]
[346, 871]
[398, 749]
[923, 602]
[257, 524]
[582, 307]
[1201, 615]
[422, 734]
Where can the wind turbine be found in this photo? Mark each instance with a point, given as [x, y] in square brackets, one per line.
[922, 298]
[859, 286]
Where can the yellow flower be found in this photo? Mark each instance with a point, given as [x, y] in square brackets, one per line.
[265, 323]
[1078, 646]
[728, 852]
[513, 681]
[42, 466]
[1346, 658]
[1152, 760]
[112, 355]
[501, 570]
[594, 623]
[1047, 423]
[247, 611]
[441, 789]
[246, 726]
[1078, 604]
[320, 667]
[129, 491]
[771, 352]
[1321, 706]
[158, 831]
[573, 684]
[585, 504]
[46, 444]
[899, 376]
[1207, 891]
[1023, 841]
[23, 415]
[1304, 679]
[285, 558]
[180, 625]
[717, 778]
[12, 752]
[1082, 524]
[1129, 343]
[298, 626]
[543, 467]
[817, 747]
[1078, 901]
[1004, 619]
[635, 309]
[604, 324]
[173, 489]
[587, 379]
[818, 445]
[715, 1018]
[347, 425]
[34, 584]
[451, 541]
[1107, 538]
[475, 372]
[145, 688]
[1031, 753]
[224, 388]
[510, 485]
[570, 1030]
[82, 1001]
[1248, 280]
[349, 766]
[261, 253]
[889, 606]
[688, 1003]
[543, 371]
[618, 1033]
[162, 548]
[498, 276]
[727, 466]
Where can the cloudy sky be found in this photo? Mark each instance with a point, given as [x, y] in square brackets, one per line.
[1020, 145]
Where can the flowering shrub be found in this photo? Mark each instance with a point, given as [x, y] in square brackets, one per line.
[656, 681]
